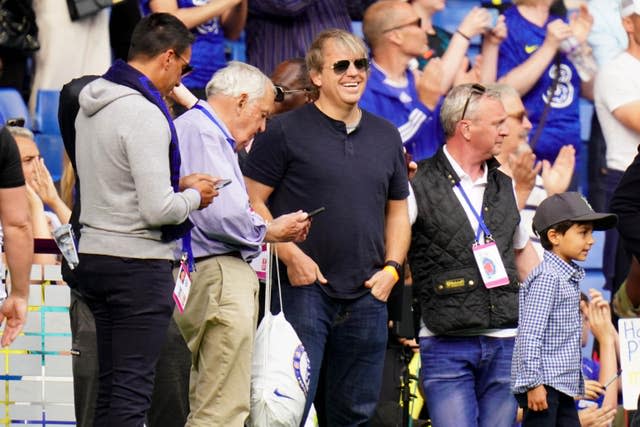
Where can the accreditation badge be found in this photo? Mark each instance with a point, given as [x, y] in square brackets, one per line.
[260, 263]
[490, 265]
[183, 286]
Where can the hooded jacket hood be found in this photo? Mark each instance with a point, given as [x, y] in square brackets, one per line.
[100, 93]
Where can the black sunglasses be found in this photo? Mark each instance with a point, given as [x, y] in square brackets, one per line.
[186, 67]
[415, 22]
[476, 89]
[281, 92]
[15, 122]
[341, 67]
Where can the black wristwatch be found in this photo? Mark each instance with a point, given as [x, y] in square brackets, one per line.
[397, 266]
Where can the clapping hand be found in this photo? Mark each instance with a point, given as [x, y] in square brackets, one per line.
[558, 177]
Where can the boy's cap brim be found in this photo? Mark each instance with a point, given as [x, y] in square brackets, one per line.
[570, 206]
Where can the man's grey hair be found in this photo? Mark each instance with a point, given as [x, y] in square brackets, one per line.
[20, 131]
[453, 106]
[238, 78]
[505, 91]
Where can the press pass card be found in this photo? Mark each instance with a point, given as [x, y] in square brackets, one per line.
[490, 265]
[183, 286]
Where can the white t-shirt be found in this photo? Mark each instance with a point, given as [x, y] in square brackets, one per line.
[618, 84]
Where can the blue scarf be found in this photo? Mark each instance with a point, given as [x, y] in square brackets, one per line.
[124, 74]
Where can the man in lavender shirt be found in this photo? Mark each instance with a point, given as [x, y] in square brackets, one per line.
[219, 319]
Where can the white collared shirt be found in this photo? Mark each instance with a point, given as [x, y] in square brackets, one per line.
[475, 193]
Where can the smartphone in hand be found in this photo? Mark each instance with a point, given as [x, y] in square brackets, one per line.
[222, 183]
[315, 212]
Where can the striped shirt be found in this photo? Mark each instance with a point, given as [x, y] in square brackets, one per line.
[547, 349]
[283, 29]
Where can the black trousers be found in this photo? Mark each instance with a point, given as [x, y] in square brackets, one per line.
[170, 398]
[561, 411]
[131, 303]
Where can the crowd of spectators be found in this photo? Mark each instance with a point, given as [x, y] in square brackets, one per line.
[497, 139]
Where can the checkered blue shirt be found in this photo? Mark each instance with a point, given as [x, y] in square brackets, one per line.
[547, 349]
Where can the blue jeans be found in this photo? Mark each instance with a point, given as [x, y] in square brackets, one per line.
[351, 336]
[466, 381]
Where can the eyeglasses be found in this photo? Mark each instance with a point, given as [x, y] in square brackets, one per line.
[341, 67]
[186, 68]
[520, 115]
[416, 22]
[476, 89]
[281, 92]
[15, 122]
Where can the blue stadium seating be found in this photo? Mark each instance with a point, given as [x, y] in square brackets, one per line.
[52, 151]
[451, 17]
[45, 119]
[594, 260]
[12, 106]
[594, 278]
[235, 50]
[47, 131]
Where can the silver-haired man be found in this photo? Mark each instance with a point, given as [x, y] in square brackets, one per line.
[219, 319]
[468, 254]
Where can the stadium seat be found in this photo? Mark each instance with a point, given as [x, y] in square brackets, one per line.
[51, 149]
[235, 50]
[451, 17]
[594, 259]
[45, 119]
[12, 106]
[356, 28]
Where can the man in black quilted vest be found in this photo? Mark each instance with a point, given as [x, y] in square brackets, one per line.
[468, 253]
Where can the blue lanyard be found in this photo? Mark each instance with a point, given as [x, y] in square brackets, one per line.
[481, 224]
[187, 252]
[206, 112]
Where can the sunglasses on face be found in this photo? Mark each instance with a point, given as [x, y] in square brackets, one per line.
[476, 89]
[15, 122]
[281, 92]
[341, 67]
[186, 67]
[416, 22]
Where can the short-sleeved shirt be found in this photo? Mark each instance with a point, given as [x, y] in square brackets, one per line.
[10, 164]
[617, 85]
[562, 125]
[310, 161]
[207, 51]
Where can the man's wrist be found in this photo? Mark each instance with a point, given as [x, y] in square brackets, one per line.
[393, 267]
[389, 269]
[463, 34]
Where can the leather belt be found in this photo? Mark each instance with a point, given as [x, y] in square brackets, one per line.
[235, 254]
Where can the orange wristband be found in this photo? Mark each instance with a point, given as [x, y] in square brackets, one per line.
[393, 272]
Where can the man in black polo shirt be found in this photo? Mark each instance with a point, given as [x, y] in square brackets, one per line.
[332, 154]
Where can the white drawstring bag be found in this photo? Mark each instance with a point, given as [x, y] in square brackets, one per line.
[280, 370]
